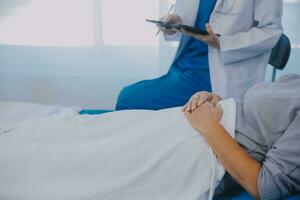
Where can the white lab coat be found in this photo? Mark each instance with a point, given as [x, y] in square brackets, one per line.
[248, 29]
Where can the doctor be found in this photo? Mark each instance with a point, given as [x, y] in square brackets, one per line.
[231, 59]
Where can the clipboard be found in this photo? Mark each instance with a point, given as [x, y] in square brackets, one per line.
[178, 27]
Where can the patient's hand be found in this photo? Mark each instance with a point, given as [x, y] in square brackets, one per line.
[198, 99]
[204, 117]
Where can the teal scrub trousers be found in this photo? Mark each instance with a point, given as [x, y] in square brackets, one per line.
[171, 90]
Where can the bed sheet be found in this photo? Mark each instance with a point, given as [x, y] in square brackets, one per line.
[241, 196]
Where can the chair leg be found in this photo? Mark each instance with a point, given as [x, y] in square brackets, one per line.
[274, 75]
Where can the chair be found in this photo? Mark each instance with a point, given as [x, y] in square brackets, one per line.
[280, 55]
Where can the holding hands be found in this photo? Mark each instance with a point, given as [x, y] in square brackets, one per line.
[198, 99]
[202, 111]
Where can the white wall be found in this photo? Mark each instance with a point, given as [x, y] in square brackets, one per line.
[86, 77]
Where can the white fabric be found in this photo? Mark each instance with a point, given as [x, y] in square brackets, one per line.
[229, 115]
[248, 30]
[53, 153]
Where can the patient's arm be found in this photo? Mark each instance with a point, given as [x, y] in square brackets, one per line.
[199, 98]
[236, 161]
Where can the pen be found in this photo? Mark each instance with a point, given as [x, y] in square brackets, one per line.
[169, 12]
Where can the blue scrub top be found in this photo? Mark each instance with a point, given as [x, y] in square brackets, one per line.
[195, 55]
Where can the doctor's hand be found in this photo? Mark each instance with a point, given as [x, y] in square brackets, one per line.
[200, 98]
[205, 117]
[171, 19]
[211, 39]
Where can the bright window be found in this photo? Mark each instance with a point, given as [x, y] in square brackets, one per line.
[47, 23]
[124, 22]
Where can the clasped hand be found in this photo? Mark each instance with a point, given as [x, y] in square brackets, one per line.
[202, 111]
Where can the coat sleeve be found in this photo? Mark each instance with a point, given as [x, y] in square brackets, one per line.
[259, 39]
[280, 173]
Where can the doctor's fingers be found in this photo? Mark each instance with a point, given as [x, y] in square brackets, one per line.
[167, 31]
[189, 106]
[198, 100]
[194, 103]
[186, 107]
[172, 18]
[210, 31]
[203, 98]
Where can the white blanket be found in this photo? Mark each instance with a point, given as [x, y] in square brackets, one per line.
[52, 153]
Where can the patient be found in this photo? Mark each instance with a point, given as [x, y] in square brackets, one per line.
[57, 157]
[265, 158]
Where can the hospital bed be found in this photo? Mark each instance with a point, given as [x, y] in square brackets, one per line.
[278, 59]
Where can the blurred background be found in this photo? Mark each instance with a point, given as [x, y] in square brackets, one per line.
[83, 52]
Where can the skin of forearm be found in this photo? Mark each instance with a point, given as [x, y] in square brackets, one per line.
[234, 158]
